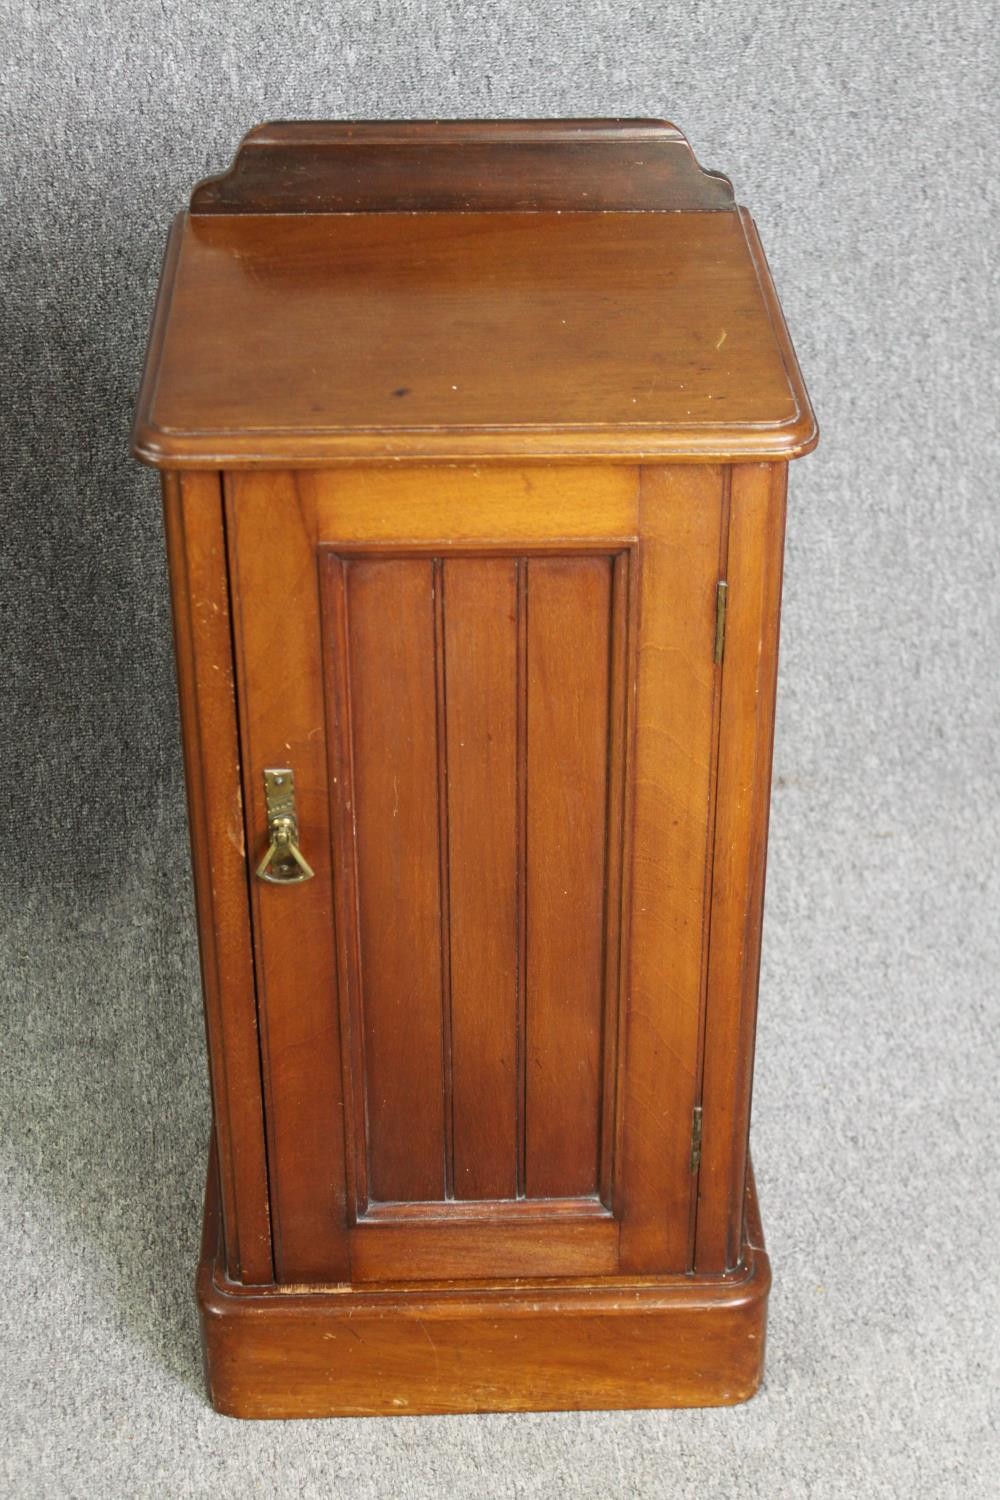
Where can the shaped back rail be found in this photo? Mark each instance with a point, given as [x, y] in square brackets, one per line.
[455, 166]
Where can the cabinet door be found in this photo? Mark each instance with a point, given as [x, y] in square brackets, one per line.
[481, 1019]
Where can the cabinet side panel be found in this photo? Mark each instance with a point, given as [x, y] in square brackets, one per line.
[394, 695]
[749, 674]
[203, 646]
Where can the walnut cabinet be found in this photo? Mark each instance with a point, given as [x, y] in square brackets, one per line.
[474, 440]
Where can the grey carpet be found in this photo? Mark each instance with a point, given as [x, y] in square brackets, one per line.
[861, 134]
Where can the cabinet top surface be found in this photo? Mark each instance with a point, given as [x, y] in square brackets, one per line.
[516, 290]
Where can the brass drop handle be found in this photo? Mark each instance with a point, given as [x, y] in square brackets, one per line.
[284, 863]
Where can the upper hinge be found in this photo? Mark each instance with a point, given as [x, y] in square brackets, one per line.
[721, 594]
[696, 1138]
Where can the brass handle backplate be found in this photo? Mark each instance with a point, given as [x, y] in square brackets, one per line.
[284, 863]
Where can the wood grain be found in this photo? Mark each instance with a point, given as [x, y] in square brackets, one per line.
[297, 340]
[568, 652]
[278, 639]
[456, 165]
[481, 672]
[315, 524]
[424, 1079]
[527, 1346]
[453, 1010]
[391, 633]
[749, 676]
[467, 507]
[199, 592]
[673, 758]
[556, 1244]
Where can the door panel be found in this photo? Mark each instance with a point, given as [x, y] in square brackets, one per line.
[480, 600]
[475, 691]
[568, 774]
[392, 779]
[460, 721]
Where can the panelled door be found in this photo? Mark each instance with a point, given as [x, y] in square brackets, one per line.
[481, 1018]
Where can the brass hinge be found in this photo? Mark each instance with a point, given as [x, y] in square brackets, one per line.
[721, 594]
[696, 1138]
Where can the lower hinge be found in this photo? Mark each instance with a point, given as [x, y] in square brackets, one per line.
[721, 599]
[696, 1138]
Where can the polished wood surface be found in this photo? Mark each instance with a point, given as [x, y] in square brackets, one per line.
[498, 406]
[414, 1349]
[479, 929]
[567, 784]
[199, 589]
[681, 522]
[483, 605]
[298, 339]
[283, 724]
[393, 756]
[389, 780]
[462, 165]
[325, 328]
[755, 547]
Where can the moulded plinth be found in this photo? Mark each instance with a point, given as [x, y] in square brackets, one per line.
[423, 1348]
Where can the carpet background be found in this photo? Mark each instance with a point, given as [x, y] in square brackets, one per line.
[862, 136]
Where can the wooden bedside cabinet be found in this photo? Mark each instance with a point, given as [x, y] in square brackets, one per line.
[474, 441]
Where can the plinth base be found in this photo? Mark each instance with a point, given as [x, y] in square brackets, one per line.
[424, 1348]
